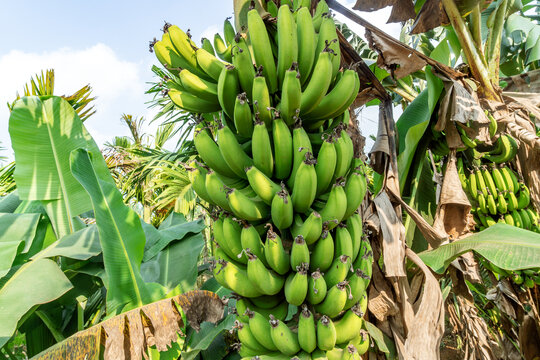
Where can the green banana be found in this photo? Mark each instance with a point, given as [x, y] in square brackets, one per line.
[509, 150]
[242, 117]
[279, 311]
[191, 103]
[251, 240]
[480, 182]
[316, 288]
[473, 186]
[262, 49]
[272, 8]
[197, 178]
[216, 190]
[344, 244]
[234, 277]
[355, 190]
[282, 209]
[482, 203]
[338, 99]
[306, 43]
[334, 210]
[275, 254]
[338, 270]
[227, 89]
[287, 40]
[357, 285]
[222, 241]
[493, 126]
[241, 59]
[512, 201]
[291, 95]
[509, 179]
[209, 63]
[326, 333]
[305, 185]
[525, 219]
[335, 300]
[207, 46]
[354, 225]
[518, 221]
[361, 342]
[310, 229]
[323, 253]
[524, 198]
[222, 50]
[267, 281]
[328, 40]
[319, 83]
[209, 152]
[261, 148]
[283, 148]
[300, 146]
[296, 286]
[307, 332]
[299, 252]
[469, 143]
[232, 152]
[320, 11]
[246, 208]
[228, 31]
[199, 87]
[181, 42]
[502, 205]
[263, 186]
[491, 205]
[344, 150]
[349, 326]
[508, 219]
[489, 182]
[232, 232]
[261, 99]
[261, 330]
[326, 164]
[241, 308]
[498, 179]
[285, 340]
[266, 302]
[461, 173]
[246, 336]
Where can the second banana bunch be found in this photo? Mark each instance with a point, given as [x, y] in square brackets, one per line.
[277, 166]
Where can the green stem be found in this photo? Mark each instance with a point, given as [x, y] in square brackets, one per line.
[493, 44]
[474, 59]
[476, 29]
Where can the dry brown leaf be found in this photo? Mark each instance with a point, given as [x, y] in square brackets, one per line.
[126, 336]
[381, 305]
[528, 82]
[529, 338]
[398, 60]
[427, 327]
[402, 10]
[393, 246]
[453, 210]
[430, 16]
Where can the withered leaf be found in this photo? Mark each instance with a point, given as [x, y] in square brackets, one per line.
[402, 10]
[127, 335]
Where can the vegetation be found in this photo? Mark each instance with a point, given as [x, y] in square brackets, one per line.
[139, 243]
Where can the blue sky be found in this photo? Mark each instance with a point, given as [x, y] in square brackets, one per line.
[105, 44]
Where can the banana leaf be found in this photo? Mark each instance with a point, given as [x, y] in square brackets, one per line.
[44, 130]
[81, 245]
[506, 246]
[17, 230]
[120, 233]
[36, 282]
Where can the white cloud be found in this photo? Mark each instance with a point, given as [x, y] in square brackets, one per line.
[118, 84]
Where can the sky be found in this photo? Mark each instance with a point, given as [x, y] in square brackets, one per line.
[104, 44]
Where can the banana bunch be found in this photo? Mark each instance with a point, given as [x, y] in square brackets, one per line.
[276, 164]
[527, 278]
[498, 196]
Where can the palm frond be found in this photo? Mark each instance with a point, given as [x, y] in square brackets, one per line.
[7, 181]
[43, 85]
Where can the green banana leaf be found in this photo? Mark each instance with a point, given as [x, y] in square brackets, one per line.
[44, 130]
[202, 340]
[10, 202]
[530, 30]
[36, 282]
[413, 123]
[81, 245]
[506, 246]
[120, 233]
[176, 265]
[16, 231]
